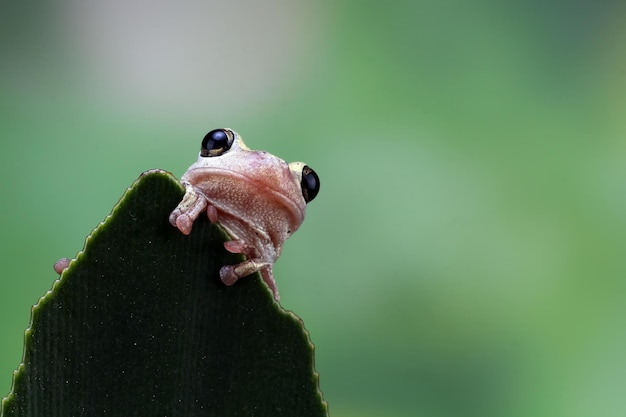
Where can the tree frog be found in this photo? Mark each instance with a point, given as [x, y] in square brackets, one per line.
[259, 199]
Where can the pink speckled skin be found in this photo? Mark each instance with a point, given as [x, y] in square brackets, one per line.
[255, 196]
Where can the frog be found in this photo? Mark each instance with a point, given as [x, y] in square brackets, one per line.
[259, 199]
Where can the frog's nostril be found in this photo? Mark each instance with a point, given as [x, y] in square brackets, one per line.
[216, 142]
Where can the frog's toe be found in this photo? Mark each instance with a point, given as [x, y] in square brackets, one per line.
[173, 216]
[61, 265]
[228, 276]
[184, 223]
[236, 246]
[211, 213]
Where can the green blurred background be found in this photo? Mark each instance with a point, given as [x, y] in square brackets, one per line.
[465, 256]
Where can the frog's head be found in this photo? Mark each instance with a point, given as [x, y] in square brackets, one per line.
[222, 142]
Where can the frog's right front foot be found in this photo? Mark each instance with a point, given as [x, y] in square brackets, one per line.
[188, 210]
[182, 222]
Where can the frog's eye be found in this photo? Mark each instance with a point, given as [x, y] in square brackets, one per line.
[217, 142]
[310, 184]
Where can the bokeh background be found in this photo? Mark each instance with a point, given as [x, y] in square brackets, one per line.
[465, 256]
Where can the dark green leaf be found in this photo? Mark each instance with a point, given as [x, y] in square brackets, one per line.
[140, 325]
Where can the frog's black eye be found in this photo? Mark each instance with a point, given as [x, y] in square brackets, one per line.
[217, 142]
[310, 184]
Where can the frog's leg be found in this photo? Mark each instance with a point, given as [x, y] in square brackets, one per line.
[230, 274]
[188, 210]
[267, 274]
